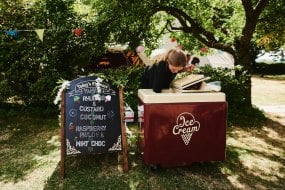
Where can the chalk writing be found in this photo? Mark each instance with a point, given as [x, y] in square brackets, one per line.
[92, 116]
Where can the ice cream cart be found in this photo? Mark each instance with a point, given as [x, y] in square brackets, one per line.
[181, 128]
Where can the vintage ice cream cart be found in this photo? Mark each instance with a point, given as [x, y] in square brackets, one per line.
[180, 128]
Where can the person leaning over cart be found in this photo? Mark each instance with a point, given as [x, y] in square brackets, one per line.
[160, 75]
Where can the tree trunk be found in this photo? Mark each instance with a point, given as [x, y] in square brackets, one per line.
[244, 59]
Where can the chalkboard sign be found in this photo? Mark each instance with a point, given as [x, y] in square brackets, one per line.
[92, 111]
[92, 117]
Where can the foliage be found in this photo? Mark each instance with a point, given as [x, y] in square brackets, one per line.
[234, 87]
[162, 16]
[129, 78]
[126, 77]
[271, 28]
[227, 26]
[30, 68]
[269, 69]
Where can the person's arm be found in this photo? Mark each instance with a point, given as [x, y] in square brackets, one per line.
[189, 68]
[195, 61]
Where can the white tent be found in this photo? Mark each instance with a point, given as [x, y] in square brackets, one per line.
[219, 59]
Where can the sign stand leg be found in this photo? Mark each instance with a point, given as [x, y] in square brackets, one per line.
[62, 135]
[124, 134]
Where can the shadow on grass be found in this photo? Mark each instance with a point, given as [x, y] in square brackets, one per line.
[256, 156]
[237, 172]
[255, 160]
[101, 172]
[23, 139]
[246, 117]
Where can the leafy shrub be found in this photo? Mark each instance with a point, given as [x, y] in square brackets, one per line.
[4, 90]
[127, 77]
[30, 68]
[239, 113]
[269, 69]
[233, 85]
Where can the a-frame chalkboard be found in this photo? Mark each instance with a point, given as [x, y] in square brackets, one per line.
[92, 115]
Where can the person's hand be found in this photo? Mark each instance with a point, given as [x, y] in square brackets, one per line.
[189, 68]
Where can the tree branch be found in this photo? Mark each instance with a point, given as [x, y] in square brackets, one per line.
[189, 25]
[261, 4]
[253, 12]
[252, 16]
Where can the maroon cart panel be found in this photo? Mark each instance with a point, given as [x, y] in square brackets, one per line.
[182, 133]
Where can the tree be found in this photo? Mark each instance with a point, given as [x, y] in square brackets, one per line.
[29, 68]
[227, 25]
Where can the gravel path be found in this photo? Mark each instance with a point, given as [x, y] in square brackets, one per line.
[269, 96]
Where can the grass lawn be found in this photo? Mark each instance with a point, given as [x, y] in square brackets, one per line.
[30, 154]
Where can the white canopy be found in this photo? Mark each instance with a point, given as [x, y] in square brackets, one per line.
[218, 59]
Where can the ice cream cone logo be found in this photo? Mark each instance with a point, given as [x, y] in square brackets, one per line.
[185, 126]
[186, 138]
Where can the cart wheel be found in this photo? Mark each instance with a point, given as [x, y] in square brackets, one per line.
[155, 167]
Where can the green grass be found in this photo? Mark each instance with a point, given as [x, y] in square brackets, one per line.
[22, 140]
[29, 146]
[100, 172]
[246, 117]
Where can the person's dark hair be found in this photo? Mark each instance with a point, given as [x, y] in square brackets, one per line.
[195, 60]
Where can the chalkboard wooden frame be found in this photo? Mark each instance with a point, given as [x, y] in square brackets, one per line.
[63, 133]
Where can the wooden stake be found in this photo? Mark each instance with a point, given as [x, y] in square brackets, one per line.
[124, 134]
[62, 135]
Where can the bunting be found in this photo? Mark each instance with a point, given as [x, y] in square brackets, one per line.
[78, 31]
[12, 33]
[15, 34]
[40, 33]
